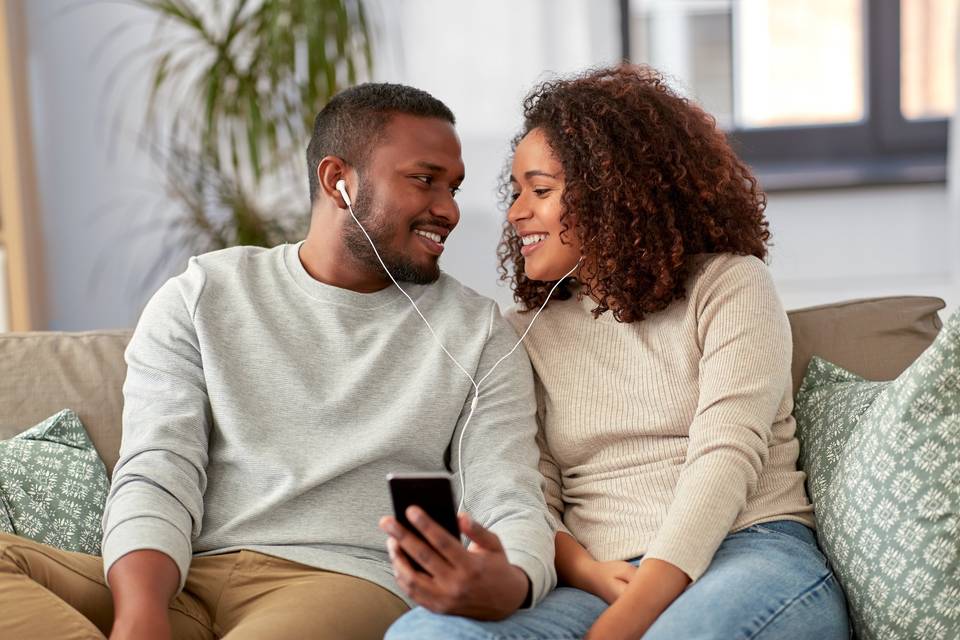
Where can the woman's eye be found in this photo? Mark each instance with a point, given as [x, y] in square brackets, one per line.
[542, 192]
[514, 196]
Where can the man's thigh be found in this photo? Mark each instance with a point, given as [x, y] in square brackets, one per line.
[274, 598]
[50, 592]
[564, 614]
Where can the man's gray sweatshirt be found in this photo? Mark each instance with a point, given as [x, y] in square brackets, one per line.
[263, 410]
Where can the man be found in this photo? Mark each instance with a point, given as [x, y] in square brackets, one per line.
[268, 394]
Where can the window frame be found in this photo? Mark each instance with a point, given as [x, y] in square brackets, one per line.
[884, 148]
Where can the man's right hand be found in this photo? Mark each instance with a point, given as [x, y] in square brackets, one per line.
[143, 583]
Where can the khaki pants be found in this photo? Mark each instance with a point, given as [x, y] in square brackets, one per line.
[48, 593]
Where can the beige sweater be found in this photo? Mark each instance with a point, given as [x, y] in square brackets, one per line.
[660, 437]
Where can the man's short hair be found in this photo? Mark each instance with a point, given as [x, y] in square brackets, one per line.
[349, 125]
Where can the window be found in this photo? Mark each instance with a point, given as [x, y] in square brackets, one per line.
[814, 93]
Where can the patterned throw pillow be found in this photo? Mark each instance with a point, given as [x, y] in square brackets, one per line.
[53, 485]
[883, 460]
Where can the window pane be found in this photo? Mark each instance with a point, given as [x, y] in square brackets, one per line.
[758, 63]
[927, 57]
[799, 63]
[690, 41]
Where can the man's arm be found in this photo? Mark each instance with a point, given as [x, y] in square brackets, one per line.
[143, 583]
[511, 530]
[155, 504]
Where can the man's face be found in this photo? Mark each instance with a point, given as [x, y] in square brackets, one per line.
[405, 198]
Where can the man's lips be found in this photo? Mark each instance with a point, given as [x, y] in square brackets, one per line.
[430, 244]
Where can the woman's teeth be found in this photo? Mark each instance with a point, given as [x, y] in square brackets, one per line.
[533, 238]
[436, 237]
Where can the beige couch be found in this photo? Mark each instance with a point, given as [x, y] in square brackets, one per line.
[41, 373]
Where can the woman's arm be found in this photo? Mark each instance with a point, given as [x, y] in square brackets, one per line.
[654, 587]
[577, 568]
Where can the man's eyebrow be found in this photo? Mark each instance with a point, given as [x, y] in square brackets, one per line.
[429, 166]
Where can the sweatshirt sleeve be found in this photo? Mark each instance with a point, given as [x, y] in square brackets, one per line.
[745, 341]
[156, 494]
[500, 458]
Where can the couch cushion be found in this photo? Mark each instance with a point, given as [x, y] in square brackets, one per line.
[884, 478]
[42, 372]
[876, 339]
[53, 485]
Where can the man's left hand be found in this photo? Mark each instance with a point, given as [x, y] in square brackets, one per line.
[477, 582]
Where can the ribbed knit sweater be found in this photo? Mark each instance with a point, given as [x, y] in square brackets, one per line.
[661, 437]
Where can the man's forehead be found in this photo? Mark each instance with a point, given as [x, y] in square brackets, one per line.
[419, 140]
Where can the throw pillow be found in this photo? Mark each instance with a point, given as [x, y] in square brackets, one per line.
[883, 465]
[53, 484]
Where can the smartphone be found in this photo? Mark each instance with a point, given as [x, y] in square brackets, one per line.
[432, 492]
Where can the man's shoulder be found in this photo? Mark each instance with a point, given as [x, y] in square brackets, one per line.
[449, 290]
[233, 258]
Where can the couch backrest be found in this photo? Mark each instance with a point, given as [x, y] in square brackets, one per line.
[43, 372]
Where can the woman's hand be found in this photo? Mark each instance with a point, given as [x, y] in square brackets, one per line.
[654, 586]
[607, 579]
[618, 623]
[577, 568]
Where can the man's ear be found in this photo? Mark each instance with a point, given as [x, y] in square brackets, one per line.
[330, 170]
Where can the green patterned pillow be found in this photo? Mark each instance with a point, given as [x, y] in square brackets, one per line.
[53, 485]
[883, 465]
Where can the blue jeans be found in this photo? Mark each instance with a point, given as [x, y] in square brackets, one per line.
[767, 581]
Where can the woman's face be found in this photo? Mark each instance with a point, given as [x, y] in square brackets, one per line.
[536, 179]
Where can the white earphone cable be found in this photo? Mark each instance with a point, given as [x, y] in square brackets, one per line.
[476, 385]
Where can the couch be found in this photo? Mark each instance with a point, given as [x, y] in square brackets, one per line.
[44, 372]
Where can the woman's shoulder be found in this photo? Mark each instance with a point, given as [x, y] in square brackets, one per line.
[517, 317]
[711, 270]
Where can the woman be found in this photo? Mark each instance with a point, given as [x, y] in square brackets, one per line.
[663, 378]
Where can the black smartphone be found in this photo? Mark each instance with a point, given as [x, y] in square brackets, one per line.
[432, 492]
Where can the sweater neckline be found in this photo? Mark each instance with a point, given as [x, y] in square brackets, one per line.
[336, 295]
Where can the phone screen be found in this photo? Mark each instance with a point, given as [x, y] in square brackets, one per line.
[430, 492]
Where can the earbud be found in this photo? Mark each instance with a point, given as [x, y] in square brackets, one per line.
[341, 186]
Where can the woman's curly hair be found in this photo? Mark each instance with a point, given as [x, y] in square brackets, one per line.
[649, 181]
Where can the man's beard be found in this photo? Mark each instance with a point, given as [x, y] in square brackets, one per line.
[381, 232]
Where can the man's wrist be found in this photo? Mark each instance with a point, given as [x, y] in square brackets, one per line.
[528, 599]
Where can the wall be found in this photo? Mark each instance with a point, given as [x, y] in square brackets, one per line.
[481, 59]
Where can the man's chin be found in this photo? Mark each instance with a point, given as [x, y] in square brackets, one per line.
[416, 274]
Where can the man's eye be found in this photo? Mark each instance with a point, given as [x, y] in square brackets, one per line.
[455, 190]
[424, 179]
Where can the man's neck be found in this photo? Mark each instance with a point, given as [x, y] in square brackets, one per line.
[327, 260]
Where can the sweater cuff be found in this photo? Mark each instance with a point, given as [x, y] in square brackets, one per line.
[537, 573]
[139, 534]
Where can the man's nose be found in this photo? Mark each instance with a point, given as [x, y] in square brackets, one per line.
[445, 207]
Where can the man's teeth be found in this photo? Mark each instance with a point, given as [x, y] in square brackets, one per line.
[436, 237]
[533, 238]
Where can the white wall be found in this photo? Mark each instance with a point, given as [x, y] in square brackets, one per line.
[91, 196]
[480, 58]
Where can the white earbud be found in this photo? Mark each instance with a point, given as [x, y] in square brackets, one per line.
[341, 186]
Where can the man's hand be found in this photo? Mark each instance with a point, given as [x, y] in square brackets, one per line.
[478, 582]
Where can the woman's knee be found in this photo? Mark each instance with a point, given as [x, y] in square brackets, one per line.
[422, 624]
